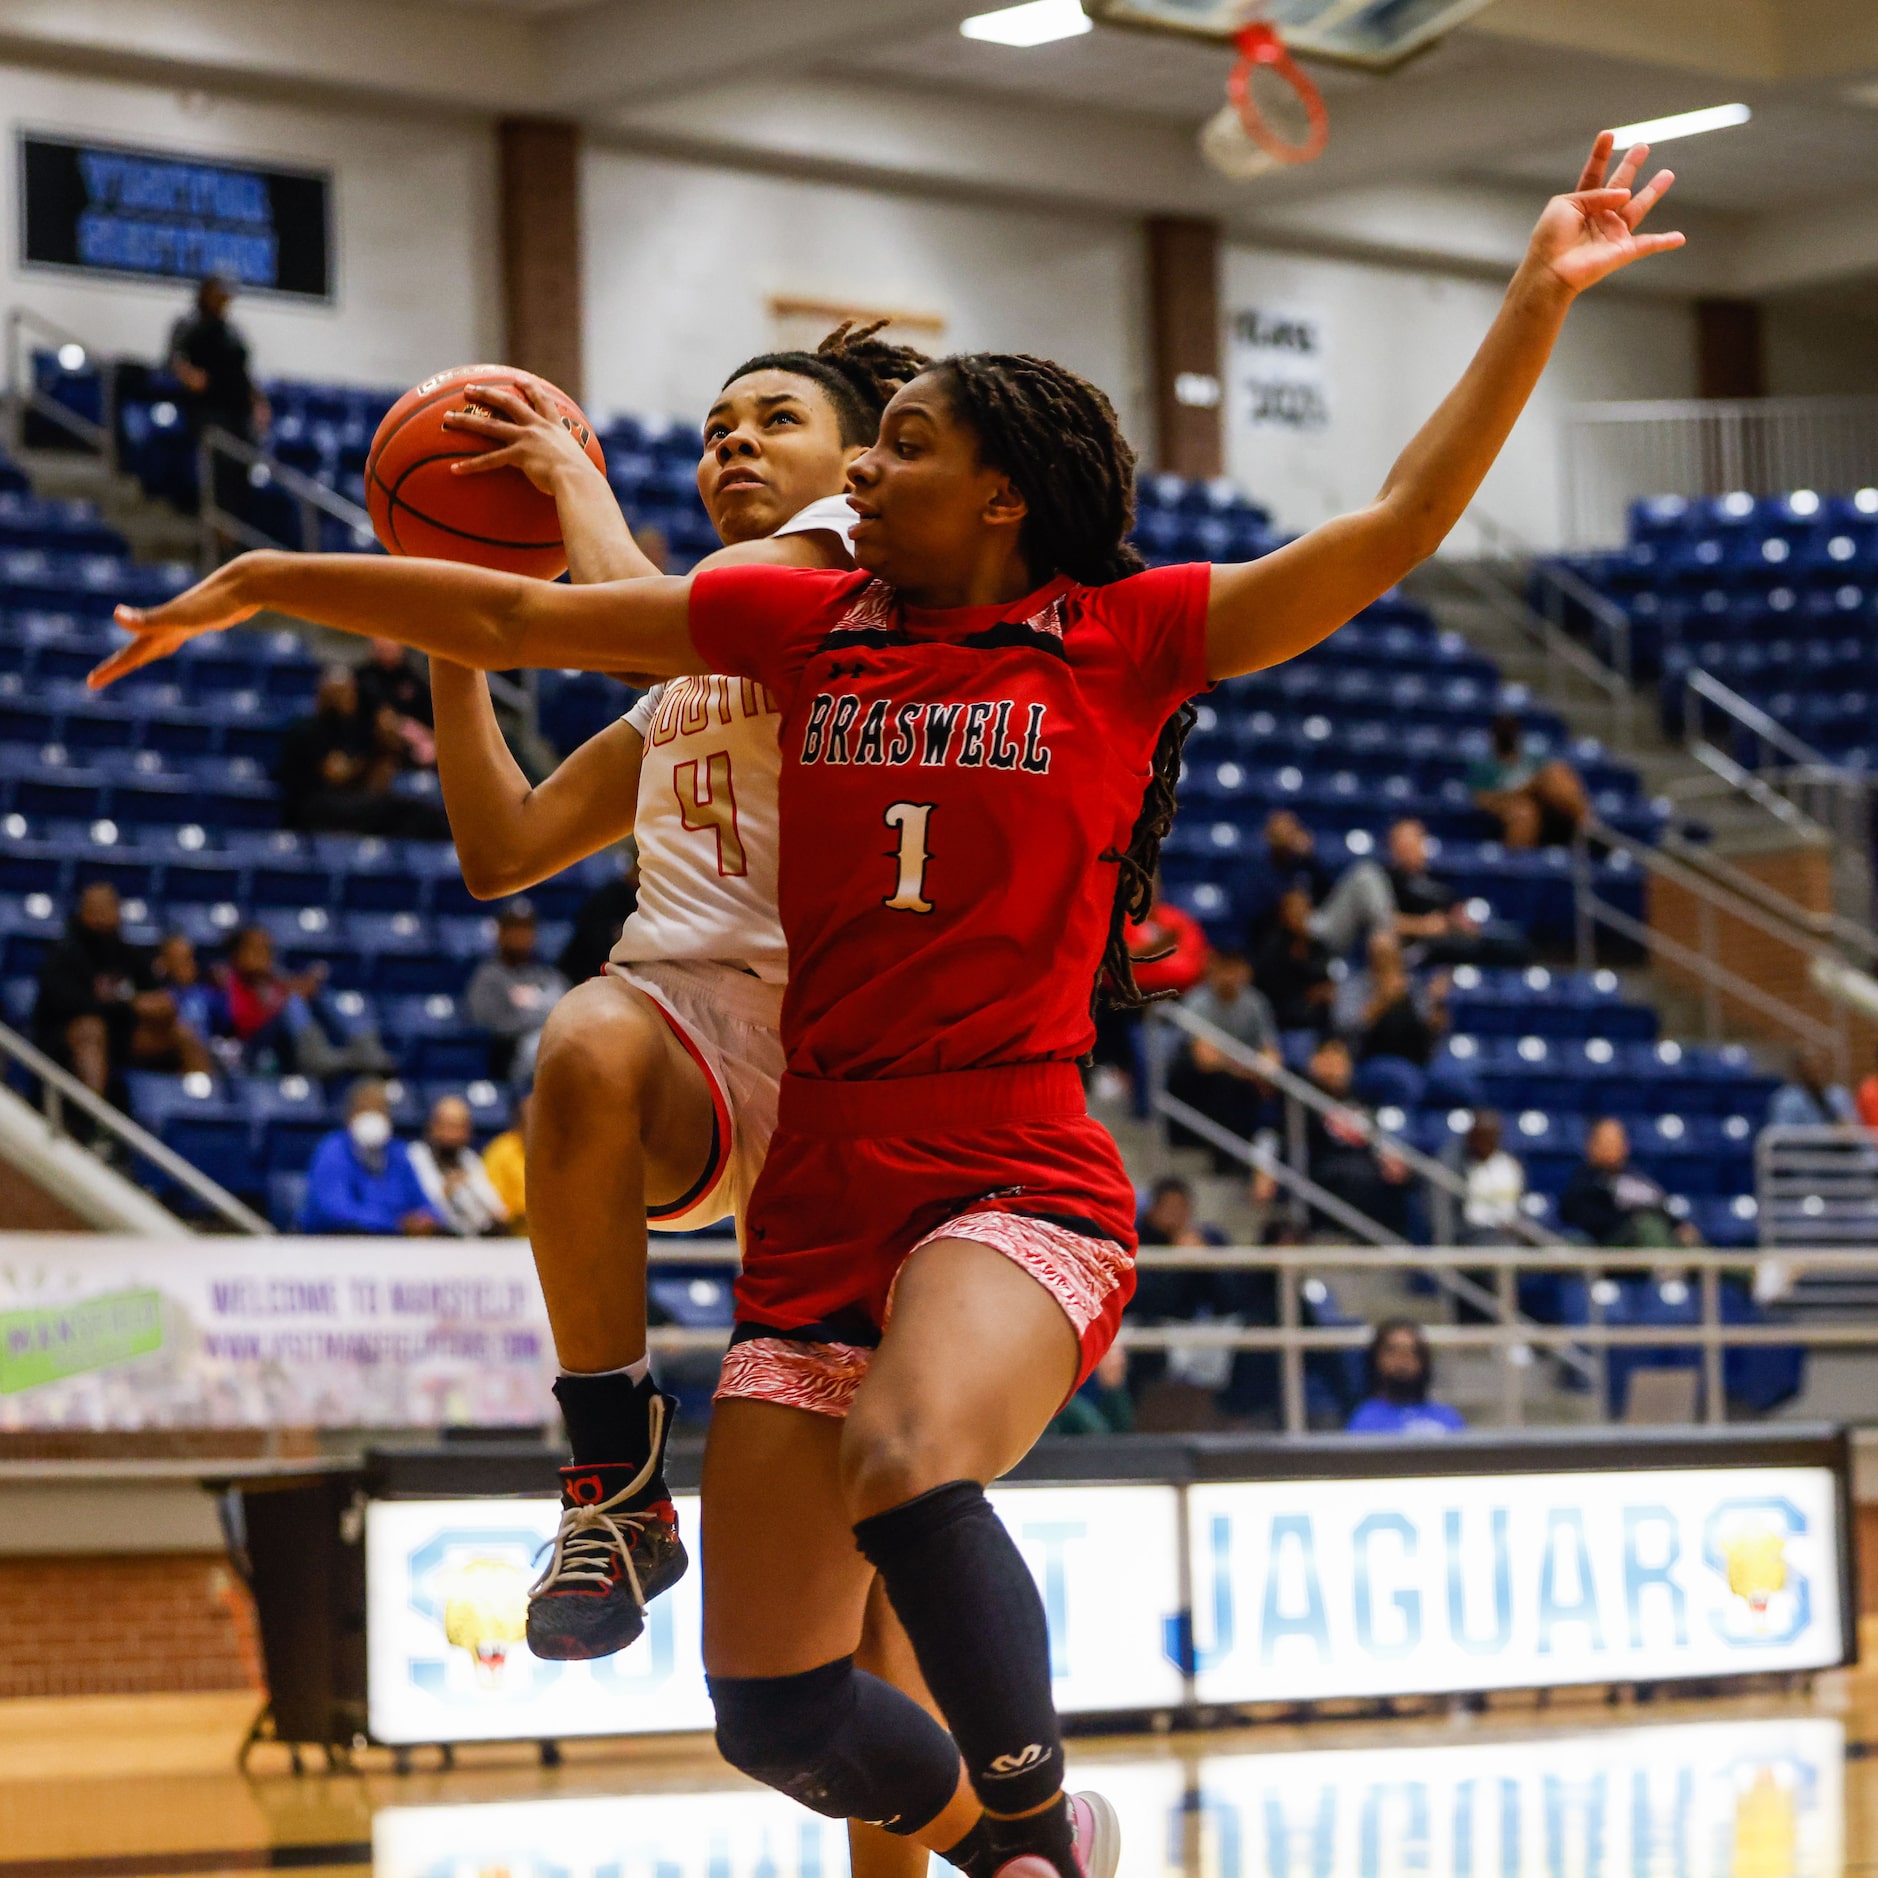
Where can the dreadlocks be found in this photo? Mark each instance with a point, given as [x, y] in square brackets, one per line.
[1056, 436]
[858, 371]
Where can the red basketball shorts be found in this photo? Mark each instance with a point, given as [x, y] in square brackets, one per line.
[859, 1174]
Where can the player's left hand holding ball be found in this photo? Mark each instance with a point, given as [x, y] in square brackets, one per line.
[207, 607]
[1591, 233]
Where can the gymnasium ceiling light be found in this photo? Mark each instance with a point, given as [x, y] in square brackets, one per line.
[1655, 130]
[1035, 23]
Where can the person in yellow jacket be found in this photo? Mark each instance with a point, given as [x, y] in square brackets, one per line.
[505, 1162]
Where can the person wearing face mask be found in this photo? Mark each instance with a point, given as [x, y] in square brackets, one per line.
[361, 1179]
[452, 1174]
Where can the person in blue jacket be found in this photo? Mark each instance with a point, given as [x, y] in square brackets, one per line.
[361, 1179]
[1395, 1399]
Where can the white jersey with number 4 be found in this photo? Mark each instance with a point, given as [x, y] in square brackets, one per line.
[706, 820]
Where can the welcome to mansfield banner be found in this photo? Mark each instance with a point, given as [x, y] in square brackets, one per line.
[100, 1332]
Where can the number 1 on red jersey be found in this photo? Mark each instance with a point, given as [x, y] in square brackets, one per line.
[909, 894]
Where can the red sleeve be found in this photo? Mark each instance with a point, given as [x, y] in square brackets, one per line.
[1183, 967]
[1159, 618]
[763, 622]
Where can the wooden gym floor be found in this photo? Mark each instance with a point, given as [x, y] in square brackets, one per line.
[1733, 1787]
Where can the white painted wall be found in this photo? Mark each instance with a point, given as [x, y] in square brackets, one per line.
[682, 260]
[414, 218]
[1397, 339]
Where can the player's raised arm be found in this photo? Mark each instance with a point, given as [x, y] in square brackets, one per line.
[488, 621]
[1272, 609]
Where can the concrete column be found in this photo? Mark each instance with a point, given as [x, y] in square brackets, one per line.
[541, 248]
[1184, 340]
[1731, 352]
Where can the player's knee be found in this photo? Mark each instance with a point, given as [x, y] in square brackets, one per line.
[889, 1456]
[588, 1060]
[778, 1729]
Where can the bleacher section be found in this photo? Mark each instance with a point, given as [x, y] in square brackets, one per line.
[164, 787]
[1775, 596]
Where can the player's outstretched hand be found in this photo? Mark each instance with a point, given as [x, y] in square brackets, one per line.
[157, 631]
[525, 432]
[1594, 231]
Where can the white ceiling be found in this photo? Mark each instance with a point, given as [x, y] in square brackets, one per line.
[1445, 159]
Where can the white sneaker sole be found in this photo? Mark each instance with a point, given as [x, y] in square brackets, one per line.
[1103, 1853]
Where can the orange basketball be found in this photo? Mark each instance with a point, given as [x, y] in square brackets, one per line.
[418, 506]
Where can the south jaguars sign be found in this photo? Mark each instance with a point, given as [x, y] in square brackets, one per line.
[1309, 1589]
[1417, 1569]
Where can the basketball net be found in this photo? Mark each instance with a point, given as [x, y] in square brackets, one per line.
[1237, 140]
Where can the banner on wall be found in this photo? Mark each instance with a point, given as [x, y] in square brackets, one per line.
[446, 1603]
[167, 215]
[1763, 1796]
[1279, 368]
[106, 1332]
[1311, 1589]
[1297, 1591]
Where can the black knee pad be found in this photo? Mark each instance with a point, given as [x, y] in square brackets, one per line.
[838, 1741]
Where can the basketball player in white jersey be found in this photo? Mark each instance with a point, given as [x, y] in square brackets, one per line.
[656, 1084]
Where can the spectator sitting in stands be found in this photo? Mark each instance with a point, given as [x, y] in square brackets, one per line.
[1496, 1184]
[1381, 1011]
[452, 1174]
[505, 1161]
[1811, 1099]
[394, 694]
[596, 926]
[1339, 1157]
[176, 970]
[1291, 860]
[1292, 968]
[1538, 805]
[1428, 915]
[100, 1009]
[1241, 1382]
[361, 1179]
[1203, 1076]
[1401, 1372]
[336, 769]
[1610, 1203]
[511, 994]
[1102, 1406]
[1169, 949]
[274, 1014]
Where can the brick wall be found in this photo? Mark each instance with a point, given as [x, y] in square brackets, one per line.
[128, 1625]
[1803, 875]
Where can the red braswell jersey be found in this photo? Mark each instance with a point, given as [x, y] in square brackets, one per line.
[950, 782]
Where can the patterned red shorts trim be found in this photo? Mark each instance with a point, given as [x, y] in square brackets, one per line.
[819, 1377]
[1080, 1272]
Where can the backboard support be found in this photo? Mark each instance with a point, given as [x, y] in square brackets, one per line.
[1374, 35]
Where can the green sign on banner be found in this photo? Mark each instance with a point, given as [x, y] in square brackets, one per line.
[40, 1346]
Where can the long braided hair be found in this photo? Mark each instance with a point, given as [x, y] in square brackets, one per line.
[858, 371]
[1056, 436]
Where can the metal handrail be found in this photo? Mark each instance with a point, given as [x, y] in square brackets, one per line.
[59, 1086]
[23, 395]
[1717, 980]
[1751, 717]
[1828, 1171]
[1307, 1094]
[314, 498]
[1514, 1341]
[1507, 544]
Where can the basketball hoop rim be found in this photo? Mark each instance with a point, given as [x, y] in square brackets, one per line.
[1260, 46]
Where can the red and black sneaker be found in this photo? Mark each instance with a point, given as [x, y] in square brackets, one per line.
[616, 1549]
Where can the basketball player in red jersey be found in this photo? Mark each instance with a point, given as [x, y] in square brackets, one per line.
[973, 737]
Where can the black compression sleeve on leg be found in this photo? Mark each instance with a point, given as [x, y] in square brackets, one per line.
[842, 1742]
[609, 1418]
[970, 1606]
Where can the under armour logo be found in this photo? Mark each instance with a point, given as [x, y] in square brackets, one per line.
[1007, 1765]
[838, 671]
